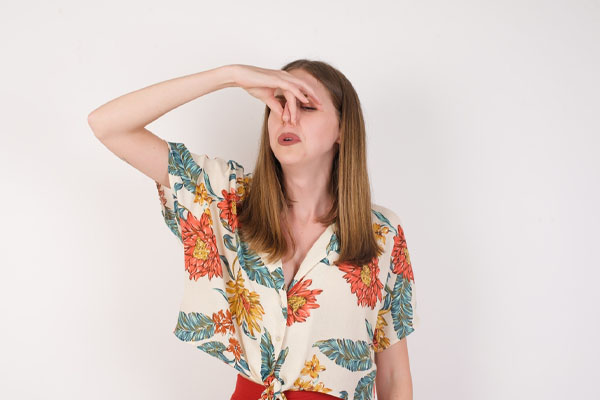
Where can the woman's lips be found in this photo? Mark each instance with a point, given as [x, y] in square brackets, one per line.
[288, 138]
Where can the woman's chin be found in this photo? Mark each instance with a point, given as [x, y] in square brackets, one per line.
[288, 157]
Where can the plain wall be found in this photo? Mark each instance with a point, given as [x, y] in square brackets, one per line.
[482, 125]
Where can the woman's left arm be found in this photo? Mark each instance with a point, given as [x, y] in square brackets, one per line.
[393, 380]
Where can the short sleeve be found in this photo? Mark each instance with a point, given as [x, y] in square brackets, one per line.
[397, 317]
[200, 183]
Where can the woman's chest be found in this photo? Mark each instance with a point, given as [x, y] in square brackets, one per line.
[305, 238]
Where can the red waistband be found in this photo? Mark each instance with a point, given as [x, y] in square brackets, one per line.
[246, 389]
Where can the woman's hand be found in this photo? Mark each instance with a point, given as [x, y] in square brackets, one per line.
[262, 83]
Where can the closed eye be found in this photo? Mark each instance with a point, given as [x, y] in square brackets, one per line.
[282, 100]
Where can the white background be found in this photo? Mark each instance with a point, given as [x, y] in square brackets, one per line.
[482, 125]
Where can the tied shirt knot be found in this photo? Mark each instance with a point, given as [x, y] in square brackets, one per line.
[273, 389]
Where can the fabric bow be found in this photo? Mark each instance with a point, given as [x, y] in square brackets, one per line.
[273, 390]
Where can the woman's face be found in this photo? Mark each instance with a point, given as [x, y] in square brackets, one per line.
[318, 129]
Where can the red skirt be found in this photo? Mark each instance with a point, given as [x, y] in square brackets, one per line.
[246, 389]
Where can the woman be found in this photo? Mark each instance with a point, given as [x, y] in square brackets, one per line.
[293, 277]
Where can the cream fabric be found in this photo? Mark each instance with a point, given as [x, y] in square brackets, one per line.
[319, 335]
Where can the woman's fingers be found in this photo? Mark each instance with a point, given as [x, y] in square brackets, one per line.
[291, 103]
[274, 105]
[307, 88]
[290, 86]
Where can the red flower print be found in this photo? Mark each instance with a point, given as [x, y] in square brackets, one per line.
[200, 247]
[300, 300]
[223, 322]
[161, 194]
[235, 348]
[228, 208]
[364, 281]
[400, 257]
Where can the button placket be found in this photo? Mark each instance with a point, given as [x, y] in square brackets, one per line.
[283, 299]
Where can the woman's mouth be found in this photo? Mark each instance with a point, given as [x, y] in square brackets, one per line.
[288, 138]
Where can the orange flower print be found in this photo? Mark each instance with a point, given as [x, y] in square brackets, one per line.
[300, 301]
[364, 281]
[161, 194]
[380, 341]
[223, 322]
[235, 348]
[299, 384]
[320, 387]
[312, 367]
[269, 392]
[243, 185]
[311, 372]
[380, 231]
[200, 247]
[228, 208]
[244, 304]
[202, 195]
[400, 257]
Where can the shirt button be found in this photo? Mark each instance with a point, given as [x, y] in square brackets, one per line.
[278, 338]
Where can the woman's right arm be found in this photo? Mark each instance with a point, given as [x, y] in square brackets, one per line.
[120, 123]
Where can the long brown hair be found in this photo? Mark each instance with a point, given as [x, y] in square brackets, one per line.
[264, 201]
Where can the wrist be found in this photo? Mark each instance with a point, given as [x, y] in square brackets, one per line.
[228, 75]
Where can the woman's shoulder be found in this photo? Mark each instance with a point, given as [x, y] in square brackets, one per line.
[383, 214]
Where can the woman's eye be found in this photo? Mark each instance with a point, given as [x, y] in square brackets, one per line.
[282, 101]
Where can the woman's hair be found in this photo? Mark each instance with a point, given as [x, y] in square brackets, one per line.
[261, 207]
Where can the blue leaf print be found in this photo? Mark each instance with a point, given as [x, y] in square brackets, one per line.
[267, 355]
[182, 164]
[255, 269]
[224, 260]
[209, 188]
[292, 283]
[215, 349]
[242, 366]
[222, 293]
[228, 240]
[225, 224]
[177, 187]
[343, 395]
[179, 209]
[333, 244]
[350, 354]
[284, 310]
[364, 389]
[280, 360]
[369, 328]
[233, 165]
[246, 331]
[383, 219]
[194, 327]
[401, 308]
[278, 279]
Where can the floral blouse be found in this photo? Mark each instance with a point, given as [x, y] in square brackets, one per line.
[321, 334]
